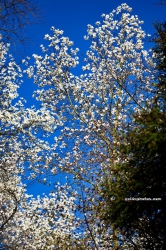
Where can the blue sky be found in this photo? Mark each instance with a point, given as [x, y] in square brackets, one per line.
[73, 16]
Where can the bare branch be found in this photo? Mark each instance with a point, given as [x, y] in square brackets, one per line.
[15, 16]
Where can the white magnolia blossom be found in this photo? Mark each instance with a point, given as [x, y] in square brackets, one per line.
[33, 223]
[27, 222]
[44, 222]
[96, 107]
[88, 115]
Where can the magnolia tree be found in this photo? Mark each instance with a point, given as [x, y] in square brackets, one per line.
[95, 108]
[26, 222]
[35, 223]
[91, 113]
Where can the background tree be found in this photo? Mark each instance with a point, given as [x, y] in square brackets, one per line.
[15, 16]
[160, 50]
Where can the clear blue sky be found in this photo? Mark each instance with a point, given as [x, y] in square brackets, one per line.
[73, 16]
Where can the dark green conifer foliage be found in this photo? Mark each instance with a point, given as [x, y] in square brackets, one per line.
[160, 50]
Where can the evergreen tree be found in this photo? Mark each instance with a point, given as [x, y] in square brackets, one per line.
[160, 50]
